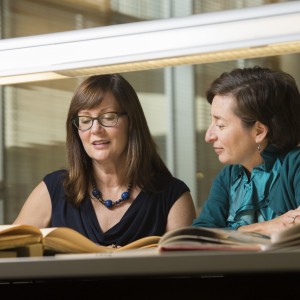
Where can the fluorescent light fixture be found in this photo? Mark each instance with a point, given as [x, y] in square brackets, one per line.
[272, 29]
[12, 79]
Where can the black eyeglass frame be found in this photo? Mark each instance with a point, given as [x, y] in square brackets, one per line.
[75, 120]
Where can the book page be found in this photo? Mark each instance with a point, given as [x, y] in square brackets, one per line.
[19, 229]
[145, 242]
[208, 238]
[192, 245]
[289, 234]
[46, 231]
[195, 231]
[12, 236]
[249, 237]
[61, 240]
[67, 240]
[19, 241]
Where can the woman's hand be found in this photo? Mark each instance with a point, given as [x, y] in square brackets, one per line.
[282, 222]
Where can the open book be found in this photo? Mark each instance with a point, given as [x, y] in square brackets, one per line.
[56, 240]
[203, 238]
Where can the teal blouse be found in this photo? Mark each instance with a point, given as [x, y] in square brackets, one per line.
[235, 200]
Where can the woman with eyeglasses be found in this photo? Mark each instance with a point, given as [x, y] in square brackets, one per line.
[116, 188]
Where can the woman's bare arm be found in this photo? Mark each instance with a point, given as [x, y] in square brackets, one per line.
[36, 210]
[182, 213]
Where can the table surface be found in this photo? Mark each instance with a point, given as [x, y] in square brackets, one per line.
[147, 262]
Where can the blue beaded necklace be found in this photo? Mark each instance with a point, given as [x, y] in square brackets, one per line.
[109, 203]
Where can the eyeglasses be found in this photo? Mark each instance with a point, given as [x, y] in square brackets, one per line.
[108, 119]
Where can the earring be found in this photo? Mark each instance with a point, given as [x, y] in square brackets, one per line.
[259, 147]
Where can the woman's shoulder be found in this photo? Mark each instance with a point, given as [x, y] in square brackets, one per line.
[175, 181]
[291, 164]
[170, 185]
[55, 176]
[293, 156]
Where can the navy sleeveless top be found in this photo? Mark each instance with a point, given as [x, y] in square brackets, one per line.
[146, 216]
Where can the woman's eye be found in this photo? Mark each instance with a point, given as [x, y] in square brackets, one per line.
[220, 126]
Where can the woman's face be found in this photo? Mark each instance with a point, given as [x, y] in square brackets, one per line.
[233, 143]
[105, 144]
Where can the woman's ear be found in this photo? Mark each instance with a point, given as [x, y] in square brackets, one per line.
[261, 132]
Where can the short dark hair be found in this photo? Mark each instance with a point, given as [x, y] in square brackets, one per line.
[268, 96]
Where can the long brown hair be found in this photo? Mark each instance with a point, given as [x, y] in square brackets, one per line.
[144, 167]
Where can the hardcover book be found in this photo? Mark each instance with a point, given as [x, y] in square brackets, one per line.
[28, 240]
[203, 238]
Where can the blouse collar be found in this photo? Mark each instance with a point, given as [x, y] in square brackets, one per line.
[270, 154]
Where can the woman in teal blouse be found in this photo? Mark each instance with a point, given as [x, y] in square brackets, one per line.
[255, 131]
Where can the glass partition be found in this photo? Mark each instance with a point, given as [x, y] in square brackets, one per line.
[33, 114]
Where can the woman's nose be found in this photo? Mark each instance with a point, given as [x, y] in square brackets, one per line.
[210, 135]
[96, 126]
